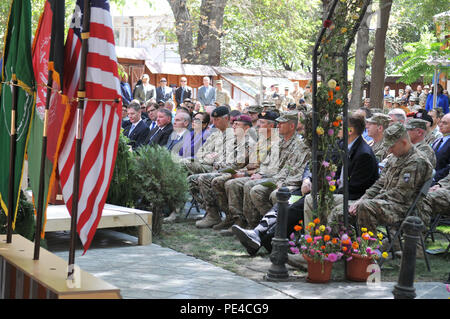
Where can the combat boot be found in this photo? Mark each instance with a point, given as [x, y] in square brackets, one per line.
[209, 220]
[224, 224]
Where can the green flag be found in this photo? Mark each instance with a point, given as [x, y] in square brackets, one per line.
[17, 66]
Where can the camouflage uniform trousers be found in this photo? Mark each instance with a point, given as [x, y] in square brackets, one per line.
[437, 202]
[256, 202]
[234, 189]
[195, 169]
[336, 216]
[218, 187]
[209, 195]
[371, 213]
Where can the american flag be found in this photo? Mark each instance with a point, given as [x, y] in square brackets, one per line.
[101, 119]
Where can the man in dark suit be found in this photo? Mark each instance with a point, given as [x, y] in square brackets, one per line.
[163, 92]
[362, 173]
[183, 92]
[181, 124]
[137, 131]
[441, 148]
[161, 133]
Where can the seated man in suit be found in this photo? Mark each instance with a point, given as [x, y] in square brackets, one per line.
[180, 131]
[163, 92]
[161, 133]
[137, 131]
[441, 148]
[183, 92]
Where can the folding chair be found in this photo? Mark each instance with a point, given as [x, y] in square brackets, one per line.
[412, 209]
[193, 204]
[437, 222]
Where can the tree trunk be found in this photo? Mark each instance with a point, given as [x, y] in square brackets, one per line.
[208, 48]
[379, 59]
[183, 29]
[362, 50]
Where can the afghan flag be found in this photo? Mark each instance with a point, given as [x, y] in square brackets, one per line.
[48, 58]
[17, 66]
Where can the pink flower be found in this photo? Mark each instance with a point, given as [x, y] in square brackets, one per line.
[332, 183]
[295, 250]
[325, 164]
[333, 174]
[291, 243]
[292, 236]
[328, 178]
[330, 132]
[332, 257]
[312, 251]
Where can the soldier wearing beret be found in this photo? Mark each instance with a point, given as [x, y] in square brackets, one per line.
[375, 127]
[212, 151]
[417, 130]
[388, 200]
[237, 158]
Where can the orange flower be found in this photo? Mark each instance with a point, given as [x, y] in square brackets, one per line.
[334, 240]
[355, 245]
[309, 240]
[326, 238]
[322, 247]
[297, 228]
[300, 221]
[346, 241]
[336, 123]
[330, 95]
[339, 102]
[337, 88]
[316, 221]
[344, 248]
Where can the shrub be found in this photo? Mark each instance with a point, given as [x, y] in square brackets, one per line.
[25, 223]
[159, 182]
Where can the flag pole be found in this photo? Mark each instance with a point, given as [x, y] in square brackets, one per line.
[79, 131]
[40, 208]
[12, 163]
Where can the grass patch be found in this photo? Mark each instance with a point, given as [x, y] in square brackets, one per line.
[228, 253]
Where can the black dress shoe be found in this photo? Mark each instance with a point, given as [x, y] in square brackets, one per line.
[248, 238]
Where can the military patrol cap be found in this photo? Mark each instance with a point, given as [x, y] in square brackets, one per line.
[393, 133]
[398, 100]
[255, 109]
[414, 99]
[288, 116]
[268, 115]
[388, 99]
[243, 118]
[220, 111]
[416, 123]
[379, 119]
[219, 82]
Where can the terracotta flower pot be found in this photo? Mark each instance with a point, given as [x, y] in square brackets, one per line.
[357, 268]
[318, 272]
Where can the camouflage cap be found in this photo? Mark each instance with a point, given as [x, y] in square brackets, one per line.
[414, 99]
[416, 123]
[393, 133]
[379, 119]
[388, 99]
[255, 109]
[288, 116]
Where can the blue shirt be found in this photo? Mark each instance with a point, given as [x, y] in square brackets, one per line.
[441, 101]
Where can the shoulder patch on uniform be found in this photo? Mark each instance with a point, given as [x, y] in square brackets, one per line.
[406, 177]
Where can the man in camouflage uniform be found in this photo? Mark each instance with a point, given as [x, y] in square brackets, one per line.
[213, 151]
[417, 130]
[437, 200]
[237, 157]
[388, 200]
[293, 157]
[286, 99]
[375, 128]
[266, 158]
[266, 123]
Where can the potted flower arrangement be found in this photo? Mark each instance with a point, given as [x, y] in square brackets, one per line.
[361, 252]
[318, 248]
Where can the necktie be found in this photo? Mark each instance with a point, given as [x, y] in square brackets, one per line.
[152, 125]
[131, 129]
